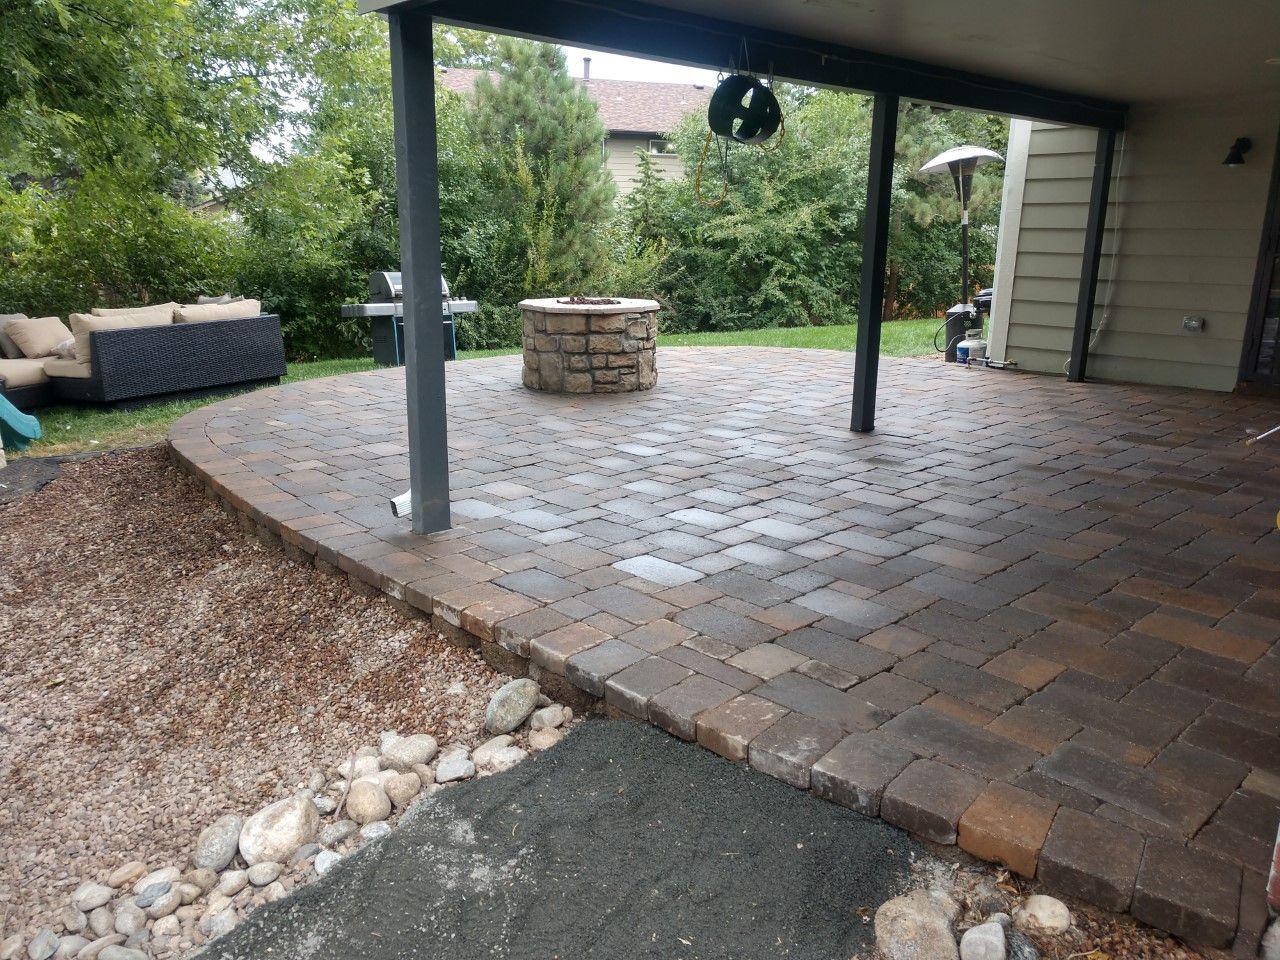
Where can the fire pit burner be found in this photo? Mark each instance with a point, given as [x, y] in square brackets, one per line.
[590, 301]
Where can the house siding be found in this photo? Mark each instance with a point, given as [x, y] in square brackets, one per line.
[620, 158]
[1182, 238]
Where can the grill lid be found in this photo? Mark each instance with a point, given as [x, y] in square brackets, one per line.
[385, 286]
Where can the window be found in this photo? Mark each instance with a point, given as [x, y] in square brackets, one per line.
[659, 147]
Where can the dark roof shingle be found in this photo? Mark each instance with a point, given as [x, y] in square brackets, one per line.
[635, 106]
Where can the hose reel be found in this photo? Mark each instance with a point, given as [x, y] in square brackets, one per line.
[744, 110]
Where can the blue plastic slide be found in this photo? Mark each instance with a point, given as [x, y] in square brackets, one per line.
[17, 429]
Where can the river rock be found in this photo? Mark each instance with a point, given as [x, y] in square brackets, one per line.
[164, 875]
[261, 874]
[217, 843]
[43, 945]
[483, 754]
[11, 947]
[102, 922]
[151, 892]
[304, 852]
[402, 788]
[127, 874]
[169, 926]
[325, 861]
[375, 831]
[116, 952]
[456, 766]
[545, 718]
[1047, 916]
[232, 882]
[221, 923]
[204, 880]
[544, 738]
[402, 754]
[335, 833]
[130, 918]
[90, 896]
[96, 947]
[326, 805]
[511, 705]
[73, 920]
[274, 832]
[506, 758]
[68, 947]
[367, 802]
[917, 926]
[983, 942]
[166, 903]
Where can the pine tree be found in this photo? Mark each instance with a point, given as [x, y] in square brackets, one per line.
[537, 109]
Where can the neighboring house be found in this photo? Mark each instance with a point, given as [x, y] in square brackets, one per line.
[636, 114]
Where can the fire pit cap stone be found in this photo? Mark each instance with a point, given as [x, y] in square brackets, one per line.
[624, 305]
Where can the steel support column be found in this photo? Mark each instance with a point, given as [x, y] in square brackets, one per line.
[413, 96]
[875, 249]
[1103, 159]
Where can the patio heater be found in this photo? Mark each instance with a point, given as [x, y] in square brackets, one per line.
[961, 162]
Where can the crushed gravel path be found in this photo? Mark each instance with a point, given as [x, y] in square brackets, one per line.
[161, 669]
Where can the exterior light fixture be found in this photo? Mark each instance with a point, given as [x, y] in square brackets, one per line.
[1235, 157]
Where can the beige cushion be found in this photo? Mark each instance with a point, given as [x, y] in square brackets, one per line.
[57, 367]
[236, 310]
[7, 347]
[22, 373]
[37, 336]
[165, 308]
[82, 324]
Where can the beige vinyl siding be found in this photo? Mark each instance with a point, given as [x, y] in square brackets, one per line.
[1187, 243]
[620, 158]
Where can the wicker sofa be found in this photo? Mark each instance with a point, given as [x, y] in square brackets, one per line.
[170, 361]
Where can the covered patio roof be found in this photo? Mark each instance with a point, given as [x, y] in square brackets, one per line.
[662, 31]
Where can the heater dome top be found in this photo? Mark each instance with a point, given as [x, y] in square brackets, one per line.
[969, 156]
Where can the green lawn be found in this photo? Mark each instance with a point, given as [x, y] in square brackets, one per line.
[73, 429]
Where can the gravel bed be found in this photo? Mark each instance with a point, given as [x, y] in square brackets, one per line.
[162, 669]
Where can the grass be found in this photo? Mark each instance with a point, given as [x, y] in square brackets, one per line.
[76, 429]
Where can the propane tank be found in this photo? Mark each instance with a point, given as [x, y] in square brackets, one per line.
[972, 347]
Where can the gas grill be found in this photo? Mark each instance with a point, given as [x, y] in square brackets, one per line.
[385, 309]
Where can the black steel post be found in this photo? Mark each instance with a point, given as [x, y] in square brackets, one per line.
[417, 177]
[1103, 158]
[964, 241]
[875, 250]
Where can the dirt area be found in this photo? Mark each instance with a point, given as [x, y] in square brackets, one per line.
[161, 669]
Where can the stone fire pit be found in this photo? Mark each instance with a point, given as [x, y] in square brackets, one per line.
[590, 348]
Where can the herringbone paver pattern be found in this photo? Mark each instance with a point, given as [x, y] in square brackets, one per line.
[1027, 614]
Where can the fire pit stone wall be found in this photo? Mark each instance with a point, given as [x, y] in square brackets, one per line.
[590, 347]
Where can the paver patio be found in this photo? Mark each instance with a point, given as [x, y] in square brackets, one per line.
[1036, 618]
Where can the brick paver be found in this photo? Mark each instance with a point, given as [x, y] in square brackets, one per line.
[1080, 600]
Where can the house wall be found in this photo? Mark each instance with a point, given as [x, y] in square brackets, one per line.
[620, 158]
[1182, 238]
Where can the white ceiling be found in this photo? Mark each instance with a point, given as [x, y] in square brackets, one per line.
[1129, 50]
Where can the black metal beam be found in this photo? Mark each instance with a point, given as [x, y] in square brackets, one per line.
[413, 97]
[646, 30]
[1103, 158]
[875, 255]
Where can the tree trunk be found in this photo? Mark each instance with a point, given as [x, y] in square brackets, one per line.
[890, 294]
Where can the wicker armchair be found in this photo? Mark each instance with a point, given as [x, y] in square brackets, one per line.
[174, 360]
